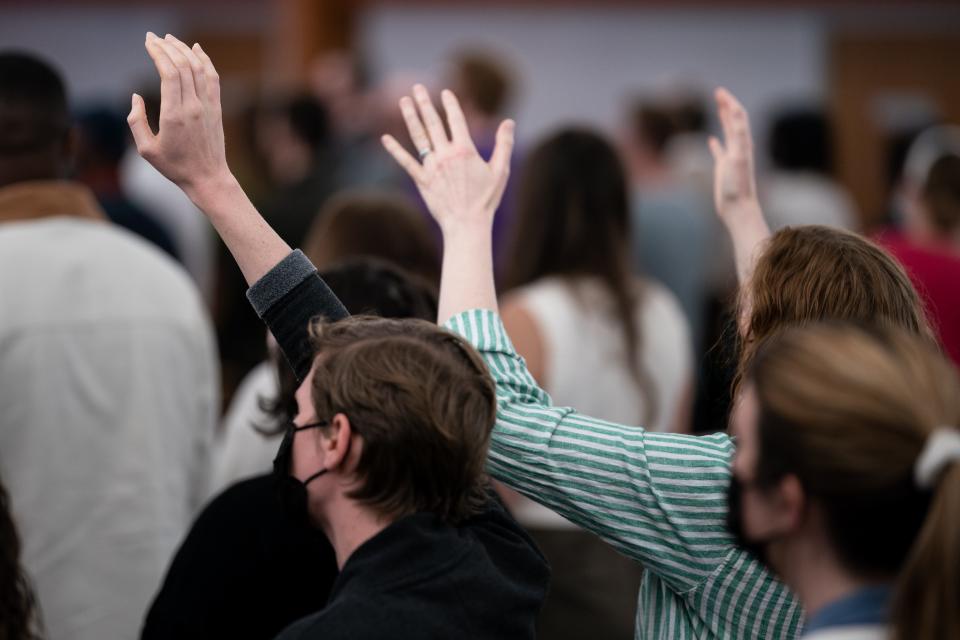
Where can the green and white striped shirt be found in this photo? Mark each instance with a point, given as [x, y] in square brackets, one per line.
[659, 498]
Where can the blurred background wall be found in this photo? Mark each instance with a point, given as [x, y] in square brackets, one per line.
[882, 68]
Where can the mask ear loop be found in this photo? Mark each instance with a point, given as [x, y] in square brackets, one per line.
[323, 471]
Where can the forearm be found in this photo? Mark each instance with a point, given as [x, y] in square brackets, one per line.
[255, 246]
[749, 232]
[467, 279]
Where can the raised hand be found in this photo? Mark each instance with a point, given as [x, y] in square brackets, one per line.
[734, 184]
[188, 149]
[459, 187]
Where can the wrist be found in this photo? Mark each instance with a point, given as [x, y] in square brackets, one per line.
[473, 228]
[210, 193]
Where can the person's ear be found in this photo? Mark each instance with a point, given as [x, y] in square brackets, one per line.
[336, 441]
[790, 504]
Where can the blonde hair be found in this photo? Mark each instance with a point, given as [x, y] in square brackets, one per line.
[848, 412]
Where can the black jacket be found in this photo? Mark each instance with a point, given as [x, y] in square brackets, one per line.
[245, 572]
[418, 578]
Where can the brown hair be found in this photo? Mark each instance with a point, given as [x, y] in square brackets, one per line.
[848, 412]
[941, 194]
[381, 225]
[424, 404]
[483, 80]
[573, 219]
[813, 273]
[19, 617]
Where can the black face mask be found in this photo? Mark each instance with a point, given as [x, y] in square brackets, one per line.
[291, 492]
[757, 549]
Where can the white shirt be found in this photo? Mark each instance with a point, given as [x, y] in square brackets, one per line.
[108, 399]
[859, 632]
[149, 189]
[585, 364]
[799, 198]
[241, 451]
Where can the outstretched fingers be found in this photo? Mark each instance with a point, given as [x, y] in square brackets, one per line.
[502, 150]
[169, 76]
[735, 123]
[211, 76]
[403, 158]
[414, 127]
[438, 135]
[455, 119]
[188, 89]
[196, 67]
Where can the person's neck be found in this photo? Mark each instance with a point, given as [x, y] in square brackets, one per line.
[815, 575]
[349, 525]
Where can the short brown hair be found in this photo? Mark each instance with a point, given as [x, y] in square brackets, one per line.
[483, 81]
[941, 194]
[424, 404]
[814, 273]
[848, 412]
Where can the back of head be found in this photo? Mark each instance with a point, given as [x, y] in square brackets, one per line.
[103, 138]
[572, 214]
[573, 220]
[929, 145]
[482, 82]
[849, 412]
[941, 195]
[34, 120]
[810, 274]
[378, 225]
[802, 141]
[307, 118]
[424, 405]
[365, 285]
[653, 125]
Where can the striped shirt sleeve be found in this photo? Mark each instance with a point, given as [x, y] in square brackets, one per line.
[658, 498]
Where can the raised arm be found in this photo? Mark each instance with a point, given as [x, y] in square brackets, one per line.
[285, 290]
[635, 489]
[734, 187]
[462, 192]
[188, 149]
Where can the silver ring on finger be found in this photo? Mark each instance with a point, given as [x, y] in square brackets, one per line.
[424, 153]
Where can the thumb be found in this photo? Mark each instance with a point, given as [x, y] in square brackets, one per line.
[139, 127]
[500, 160]
[716, 149]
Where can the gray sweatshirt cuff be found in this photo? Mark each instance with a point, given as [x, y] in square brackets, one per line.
[279, 281]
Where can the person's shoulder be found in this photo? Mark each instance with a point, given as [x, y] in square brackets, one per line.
[347, 619]
[658, 303]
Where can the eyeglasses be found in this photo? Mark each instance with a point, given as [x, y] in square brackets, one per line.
[281, 463]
